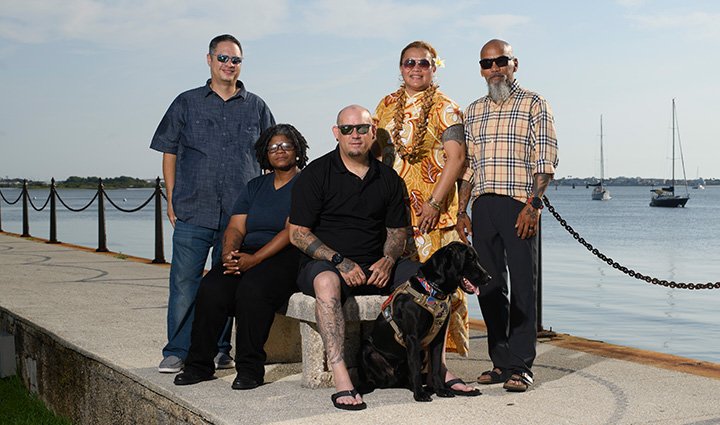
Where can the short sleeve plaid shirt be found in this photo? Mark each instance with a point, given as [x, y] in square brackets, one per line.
[509, 143]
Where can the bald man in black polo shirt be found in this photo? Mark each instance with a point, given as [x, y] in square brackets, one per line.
[348, 215]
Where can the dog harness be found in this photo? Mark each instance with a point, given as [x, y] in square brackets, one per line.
[438, 308]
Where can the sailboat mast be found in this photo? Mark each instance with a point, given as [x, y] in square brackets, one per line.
[673, 146]
[602, 156]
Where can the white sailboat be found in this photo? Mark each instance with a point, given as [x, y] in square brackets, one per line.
[665, 196]
[599, 192]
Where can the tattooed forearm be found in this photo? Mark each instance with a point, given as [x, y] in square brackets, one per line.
[464, 192]
[395, 242]
[540, 183]
[331, 324]
[308, 243]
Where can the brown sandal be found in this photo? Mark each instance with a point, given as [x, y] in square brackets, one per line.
[516, 384]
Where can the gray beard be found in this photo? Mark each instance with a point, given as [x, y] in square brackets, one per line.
[498, 92]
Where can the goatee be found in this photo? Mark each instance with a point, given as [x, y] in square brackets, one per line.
[499, 91]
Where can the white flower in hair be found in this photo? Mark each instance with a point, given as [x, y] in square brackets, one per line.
[439, 63]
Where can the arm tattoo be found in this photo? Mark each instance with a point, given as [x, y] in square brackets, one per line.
[308, 243]
[456, 133]
[540, 183]
[395, 242]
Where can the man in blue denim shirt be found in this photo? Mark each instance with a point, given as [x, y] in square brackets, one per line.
[207, 138]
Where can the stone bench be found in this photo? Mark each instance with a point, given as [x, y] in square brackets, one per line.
[296, 332]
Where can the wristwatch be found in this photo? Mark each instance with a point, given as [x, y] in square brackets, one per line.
[535, 202]
[337, 258]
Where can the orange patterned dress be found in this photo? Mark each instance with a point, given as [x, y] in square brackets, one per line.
[420, 170]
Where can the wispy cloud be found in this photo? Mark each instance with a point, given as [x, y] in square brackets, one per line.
[632, 4]
[368, 18]
[136, 22]
[695, 25]
[495, 24]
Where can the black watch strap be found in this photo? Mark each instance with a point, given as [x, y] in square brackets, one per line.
[337, 258]
[536, 203]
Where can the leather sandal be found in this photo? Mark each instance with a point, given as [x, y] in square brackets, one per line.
[516, 384]
[491, 377]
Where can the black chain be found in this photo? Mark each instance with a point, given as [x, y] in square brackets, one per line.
[47, 200]
[618, 266]
[131, 210]
[8, 202]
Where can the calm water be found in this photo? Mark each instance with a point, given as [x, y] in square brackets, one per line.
[582, 295]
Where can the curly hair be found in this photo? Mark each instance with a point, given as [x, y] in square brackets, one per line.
[287, 130]
[413, 150]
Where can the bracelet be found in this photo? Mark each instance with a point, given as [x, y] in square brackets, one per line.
[389, 258]
[433, 203]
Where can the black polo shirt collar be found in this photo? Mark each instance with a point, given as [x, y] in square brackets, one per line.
[338, 166]
[242, 92]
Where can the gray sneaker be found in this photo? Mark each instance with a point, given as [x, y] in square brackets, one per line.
[171, 364]
[224, 361]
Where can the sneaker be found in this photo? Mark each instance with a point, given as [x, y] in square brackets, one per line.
[224, 361]
[171, 364]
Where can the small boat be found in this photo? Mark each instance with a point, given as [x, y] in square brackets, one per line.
[665, 196]
[599, 192]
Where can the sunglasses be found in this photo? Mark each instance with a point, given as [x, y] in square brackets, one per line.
[500, 61]
[348, 129]
[422, 63]
[285, 146]
[235, 60]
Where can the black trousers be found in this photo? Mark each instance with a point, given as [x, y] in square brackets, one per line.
[511, 321]
[253, 298]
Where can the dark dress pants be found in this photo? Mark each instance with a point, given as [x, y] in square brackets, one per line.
[253, 298]
[511, 323]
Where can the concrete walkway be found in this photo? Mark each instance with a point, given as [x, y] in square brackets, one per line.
[110, 312]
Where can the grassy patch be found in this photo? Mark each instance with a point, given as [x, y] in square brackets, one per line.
[19, 407]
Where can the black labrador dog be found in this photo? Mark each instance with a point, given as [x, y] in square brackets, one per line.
[410, 330]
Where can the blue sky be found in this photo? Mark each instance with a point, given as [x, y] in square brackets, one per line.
[85, 82]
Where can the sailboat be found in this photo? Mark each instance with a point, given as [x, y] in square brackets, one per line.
[599, 192]
[665, 197]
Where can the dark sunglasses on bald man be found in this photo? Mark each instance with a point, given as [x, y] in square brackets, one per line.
[235, 60]
[348, 129]
[500, 61]
[422, 63]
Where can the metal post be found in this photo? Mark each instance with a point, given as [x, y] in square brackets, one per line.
[541, 332]
[53, 215]
[1, 201]
[26, 220]
[159, 249]
[102, 238]
[538, 296]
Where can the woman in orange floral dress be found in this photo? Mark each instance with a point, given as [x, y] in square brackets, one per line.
[421, 135]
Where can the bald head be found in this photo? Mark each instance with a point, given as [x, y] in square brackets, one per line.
[353, 110]
[496, 45]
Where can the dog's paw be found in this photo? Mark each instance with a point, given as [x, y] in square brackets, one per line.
[422, 396]
[444, 393]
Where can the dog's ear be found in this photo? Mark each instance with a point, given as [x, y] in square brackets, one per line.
[433, 268]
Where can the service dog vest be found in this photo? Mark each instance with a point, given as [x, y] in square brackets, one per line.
[438, 308]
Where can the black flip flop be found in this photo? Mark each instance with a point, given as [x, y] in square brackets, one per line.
[448, 386]
[347, 393]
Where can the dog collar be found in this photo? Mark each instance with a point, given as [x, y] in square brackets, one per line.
[432, 291]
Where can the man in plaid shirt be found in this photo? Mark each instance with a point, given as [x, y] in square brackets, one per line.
[512, 154]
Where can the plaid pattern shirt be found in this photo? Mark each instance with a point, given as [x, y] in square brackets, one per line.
[509, 143]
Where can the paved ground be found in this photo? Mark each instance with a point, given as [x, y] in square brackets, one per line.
[113, 310]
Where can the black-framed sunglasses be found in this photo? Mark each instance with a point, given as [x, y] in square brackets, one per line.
[348, 129]
[422, 63]
[500, 61]
[235, 60]
[284, 146]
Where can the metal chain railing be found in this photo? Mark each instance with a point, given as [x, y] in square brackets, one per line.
[100, 196]
[614, 264]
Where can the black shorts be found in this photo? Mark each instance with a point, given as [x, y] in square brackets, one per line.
[402, 271]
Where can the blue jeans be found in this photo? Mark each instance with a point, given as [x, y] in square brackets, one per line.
[191, 246]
